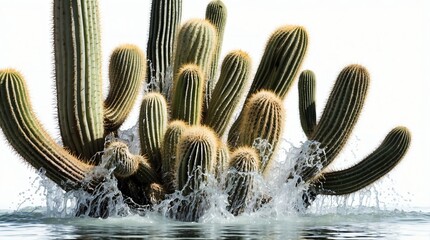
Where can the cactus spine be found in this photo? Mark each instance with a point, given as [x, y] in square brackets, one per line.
[264, 117]
[126, 74]
[243, 167]
[78, 76]
[187, 101]
[25, 133]
[152, 125]
[165, 19]
[307, 104]
[235, 71]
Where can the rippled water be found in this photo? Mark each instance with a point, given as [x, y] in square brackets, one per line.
[370, 225]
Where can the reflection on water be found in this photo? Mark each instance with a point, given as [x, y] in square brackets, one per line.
[380, 225]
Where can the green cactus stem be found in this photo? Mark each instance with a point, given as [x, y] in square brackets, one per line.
[339, 117]
[126, 75]
[307, 111]
[29, 139]
[174, 131]
[152, 125]
[187, 99]
[235, 72]
[196, 156]
[278, 67]
[195, 45]
[373, 167]
[163, 28]
[243, 166]
[222, 160]
[264, 118]
[78, 76]
[216, 13]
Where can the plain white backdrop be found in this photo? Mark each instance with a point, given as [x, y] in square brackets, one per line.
[390, 37]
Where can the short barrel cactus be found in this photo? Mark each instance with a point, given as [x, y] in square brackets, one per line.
[188, 135]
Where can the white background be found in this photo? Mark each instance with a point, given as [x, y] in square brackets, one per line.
[390, 37]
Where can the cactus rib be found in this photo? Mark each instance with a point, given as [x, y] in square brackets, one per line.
[307, 104]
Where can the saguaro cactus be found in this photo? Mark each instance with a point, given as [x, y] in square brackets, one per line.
[307, 104]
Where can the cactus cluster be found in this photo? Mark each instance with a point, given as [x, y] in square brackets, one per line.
[187, 131]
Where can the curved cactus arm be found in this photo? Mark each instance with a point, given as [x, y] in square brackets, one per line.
[195, 45]
[373, 167]
[163, 28]
[339, 117]
[152, 126]
[174, 131]
[235, 72]
[216, 13]
[278, 67]
[264, 118]
[126, 74]
[187, 99]
[27, 136]
[308, 116]
[78, 76]
[243, 166]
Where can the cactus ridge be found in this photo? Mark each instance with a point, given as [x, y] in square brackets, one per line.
[264, 116]
[152, 125]
[373, 167]
[163, 27]
[126, 74]
[187, 100]
[307, 103]
[235, 72]
[26, 134]
[174, 131]
[243, 166]
[78, 76]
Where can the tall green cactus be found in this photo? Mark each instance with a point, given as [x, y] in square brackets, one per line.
[152, 125]
[264, 118]
[126, 75]
[174, 131]
[244, 165]
[187, 99]
[339, 117]
[196, 156]
[196, 44]
[278, 67]
[216, 13]
[235, 71]
[165, 19]
[307, 104]
[78, 76]
[29, 139]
